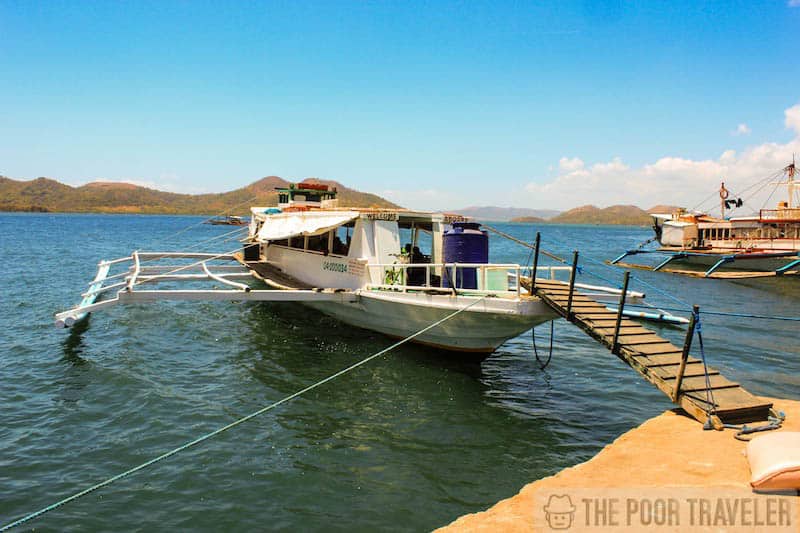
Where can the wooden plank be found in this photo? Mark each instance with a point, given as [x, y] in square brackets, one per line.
[624, 331]
[737, 399]
[639, 339]
[633, 335]
[669, 373]
[589, 305]
[550, 283]
[561, 293]
[698, 383]
[653, 349]
[605, 321]
[603, 316]
[667, 360]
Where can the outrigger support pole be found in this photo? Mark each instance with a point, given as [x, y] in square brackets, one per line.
[786, 268]
[668, 259]
[726, 259]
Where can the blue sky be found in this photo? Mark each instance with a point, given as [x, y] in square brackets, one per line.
[434, 104]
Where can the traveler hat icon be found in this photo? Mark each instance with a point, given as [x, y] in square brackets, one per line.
[559, 511]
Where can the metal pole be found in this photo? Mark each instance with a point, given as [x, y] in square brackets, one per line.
[572, 282]
[687, 345]
[614, 344]
[535, 260]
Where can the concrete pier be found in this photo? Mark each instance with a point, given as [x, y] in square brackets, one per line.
[667, 458]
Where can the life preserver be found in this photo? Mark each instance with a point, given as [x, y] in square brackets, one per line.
[723, 192]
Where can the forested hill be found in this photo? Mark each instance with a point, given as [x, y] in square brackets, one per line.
[616, 214]
[44, 194]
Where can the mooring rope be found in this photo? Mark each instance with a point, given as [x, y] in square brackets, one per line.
[712, 409]
[227, 236]
[233, 424]
[525, 244]
[190, 226]
[543, 365]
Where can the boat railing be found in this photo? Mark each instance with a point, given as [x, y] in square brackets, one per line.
[489, 277]
[781, 214]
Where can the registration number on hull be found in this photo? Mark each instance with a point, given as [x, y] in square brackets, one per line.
[334, 267]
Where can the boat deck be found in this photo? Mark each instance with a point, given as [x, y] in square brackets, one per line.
[656, 359]
[273, 276]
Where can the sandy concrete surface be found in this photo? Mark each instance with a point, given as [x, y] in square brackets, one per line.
[669, 455]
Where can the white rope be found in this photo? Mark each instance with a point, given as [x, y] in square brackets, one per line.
[224, 236]
[216, 432]
[187, 228]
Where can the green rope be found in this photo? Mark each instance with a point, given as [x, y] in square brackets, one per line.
[242, 420]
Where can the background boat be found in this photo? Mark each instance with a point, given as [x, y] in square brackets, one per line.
[228, 220]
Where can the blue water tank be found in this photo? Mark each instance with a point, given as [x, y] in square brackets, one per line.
[465, 243]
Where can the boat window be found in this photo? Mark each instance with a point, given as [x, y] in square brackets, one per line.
[297, 242]
[318, 243]
[341, 240]
[417, 248]
[282, 242]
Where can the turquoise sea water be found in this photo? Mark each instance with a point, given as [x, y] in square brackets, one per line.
[410, 441]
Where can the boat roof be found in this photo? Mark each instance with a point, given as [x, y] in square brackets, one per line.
[366, 212]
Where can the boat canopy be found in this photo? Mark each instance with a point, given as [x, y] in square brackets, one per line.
[285, 225]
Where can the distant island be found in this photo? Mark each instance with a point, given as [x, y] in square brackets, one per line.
[628, 215]
[529, 220]
[48, 195]
[504, 214]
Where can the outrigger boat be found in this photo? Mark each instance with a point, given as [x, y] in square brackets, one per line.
[227, 220]
[394, 271]
[766, 243]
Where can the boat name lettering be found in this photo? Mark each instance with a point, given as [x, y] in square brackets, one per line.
[391, 216]
[334, 267]
[449, 219]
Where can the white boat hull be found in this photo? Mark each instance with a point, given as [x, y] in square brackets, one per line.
[480, 329]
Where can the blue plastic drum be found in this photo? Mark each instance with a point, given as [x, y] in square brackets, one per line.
[465, 243]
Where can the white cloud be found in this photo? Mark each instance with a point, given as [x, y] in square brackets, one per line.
[741, 129]
[792, 115]
[570, 165]
[669, 180]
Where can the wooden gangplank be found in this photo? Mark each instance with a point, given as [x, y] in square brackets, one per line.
[656, 359]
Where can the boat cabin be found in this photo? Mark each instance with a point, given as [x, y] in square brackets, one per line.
[307, 195]
[353, 248]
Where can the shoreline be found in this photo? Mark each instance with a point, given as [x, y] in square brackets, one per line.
[667, 455]
[545, 223]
